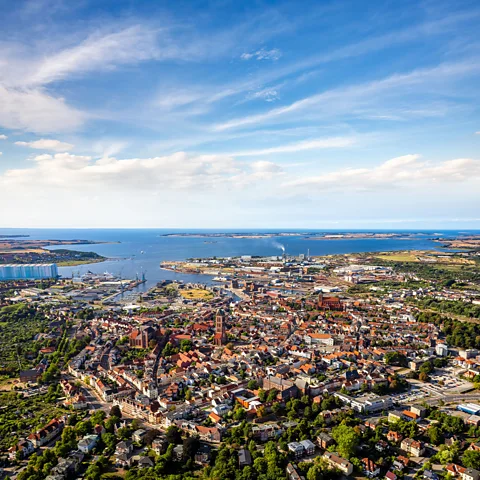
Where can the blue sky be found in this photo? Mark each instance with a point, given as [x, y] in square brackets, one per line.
[322, 114]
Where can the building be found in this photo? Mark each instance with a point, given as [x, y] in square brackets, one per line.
[324, 440]
[308, 447]
[471, 408]
[30, 375]
[370, 468]
[140, 337]
[22, 449]
[286, 388]
[367, 403]
[413, 447]
[319, 338]
[220, 337]
[244, 458]
[30, 271]
[441, 350]
[418, 410]
[45, 434]
[296, 448]
[329, 303]
[339, 463]
[293, 474]
[88, 443]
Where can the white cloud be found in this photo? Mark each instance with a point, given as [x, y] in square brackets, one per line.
[47, 144]
[267, 94]
[34, 110]
[263, 54]
[477, 133]
[3, 137]
[1, 153]
[179, 171]
[315, 144]
[405, 171]
[27, 105]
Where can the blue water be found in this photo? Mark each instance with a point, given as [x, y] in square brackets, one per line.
[128, 260]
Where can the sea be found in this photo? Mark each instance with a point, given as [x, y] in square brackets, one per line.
[138, 252]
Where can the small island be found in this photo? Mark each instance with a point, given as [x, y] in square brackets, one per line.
[35, 251]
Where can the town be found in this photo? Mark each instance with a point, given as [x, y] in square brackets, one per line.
[286, 367]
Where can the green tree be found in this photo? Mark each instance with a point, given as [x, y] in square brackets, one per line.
[471, 459]
[347, 440]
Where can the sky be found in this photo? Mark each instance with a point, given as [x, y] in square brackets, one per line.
[227, 114]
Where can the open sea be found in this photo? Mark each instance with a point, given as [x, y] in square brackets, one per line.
[138, 251]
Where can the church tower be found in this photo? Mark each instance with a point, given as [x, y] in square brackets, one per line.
[220, 335]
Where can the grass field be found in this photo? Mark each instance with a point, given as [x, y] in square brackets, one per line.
[74, 263]
[429, 257]
[398, 257]
[196, 294]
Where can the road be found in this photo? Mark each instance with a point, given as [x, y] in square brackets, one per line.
[468, 397]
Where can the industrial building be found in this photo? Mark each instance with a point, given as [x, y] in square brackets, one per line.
[29, 271]
[471, 408]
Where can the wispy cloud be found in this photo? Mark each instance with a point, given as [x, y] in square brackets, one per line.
[263, 54]
[3, 137]
[267, 94]
[314, 144]
[99, 52]
[343, 98]
[406, 171]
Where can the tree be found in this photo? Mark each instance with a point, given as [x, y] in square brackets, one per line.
[347, 440]
[276, 408]
[110, 441]
[272, 395]
[174, 435]
[151, 435]
[115, 411]
[185, 345]
[239, 413]
[435, 435]
[110, 423]
[98, 417]
[423, 377]
[262, 395]
[427, 367]
[252, 385]
[395, 358]
[83, 428]
[471, 459]
[190, 447]
[261, 411]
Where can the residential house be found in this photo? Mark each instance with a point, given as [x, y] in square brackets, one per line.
[308, 447]
[244, 458]
[324, 440]
[370, 468]
[296, 449]
[414, 447]
[339, 463]
[88, 443]
[47, 433]
[23, 449]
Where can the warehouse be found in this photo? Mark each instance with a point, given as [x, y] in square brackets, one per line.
[28, 271]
